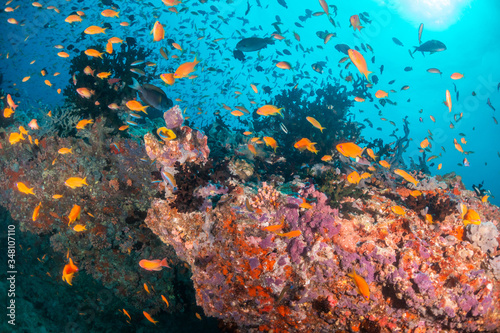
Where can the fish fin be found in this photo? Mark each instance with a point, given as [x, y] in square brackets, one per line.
[270, 40]
[164, 262]
[135, 85]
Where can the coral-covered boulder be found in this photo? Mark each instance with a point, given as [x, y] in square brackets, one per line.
[263, 260]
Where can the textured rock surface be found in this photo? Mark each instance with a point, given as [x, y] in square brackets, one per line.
[420, 275]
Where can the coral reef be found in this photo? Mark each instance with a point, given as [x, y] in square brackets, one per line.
[114, 205]
[282, 267]
[483, 236]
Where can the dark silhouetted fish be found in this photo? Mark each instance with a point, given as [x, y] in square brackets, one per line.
[408, 69]
[489, 104]
[430, 46]
[253, 44]
[397, 41]
[342, 48]
[267, 90]
[130, 41]
[239, 55]
[248, 8]
[318, 66]
[153, 96]
[283, 3]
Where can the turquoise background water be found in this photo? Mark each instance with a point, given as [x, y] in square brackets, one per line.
[469, 29]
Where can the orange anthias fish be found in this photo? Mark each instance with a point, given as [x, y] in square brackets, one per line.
[406, 176]
[154, 265]
[354, 177]
[165, 300]
[168, 78]
[63, 151]
[284, 65]
[381, 94]
[158, 32]
[385, 164]
[79, 227]
[24, 189]
[456, 76]
[74, 214]
[93, 53]
[354, 19]
[126, 313]
[359, 61]
[7, 112]
[371, 154]
[75, 182]
[361, 284]
[185, 69]
[148, 317]
[305, 143]
[110, 13]
[252, 149]
[270, 142]
[15, 138]
[469, 216]
[304, 205]
[11, 103]
[315, 123]
[84, 122]
[85, 92]
[36, 211]
[424, 144]
[350, 149]
[291, 234]
[269, 110]
[68, 272]
[398, 210]
[276, 227]
[92, 30]
[136, 106]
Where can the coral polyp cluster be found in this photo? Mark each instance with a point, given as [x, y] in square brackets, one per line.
[267, 196]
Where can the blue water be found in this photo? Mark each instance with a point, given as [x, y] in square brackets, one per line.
[469, 29]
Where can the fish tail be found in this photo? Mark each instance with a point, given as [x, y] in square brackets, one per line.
[164, 262]
[360, 27]
[281, 114]
[270, 40]
[135, 85]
